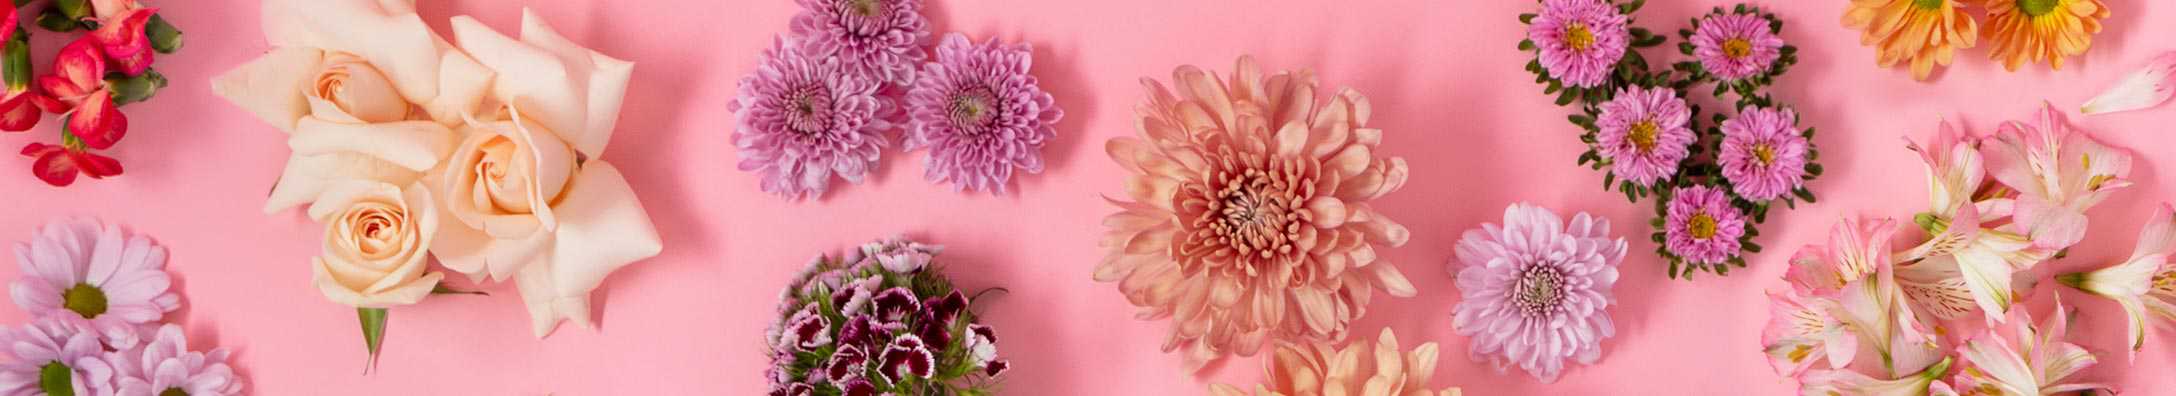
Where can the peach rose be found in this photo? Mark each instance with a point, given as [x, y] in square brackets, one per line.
[377, 244]
[532, 198]
[345, 80]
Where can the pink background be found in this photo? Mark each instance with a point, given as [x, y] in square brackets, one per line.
[1444, 77]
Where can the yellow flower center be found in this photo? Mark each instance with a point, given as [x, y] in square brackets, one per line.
[1799, 354]
[1702, 226]
[1764, 154]
[2165, 281]
[1643, 135]
[1737, 48]
[1578, 37]
[2038, 7]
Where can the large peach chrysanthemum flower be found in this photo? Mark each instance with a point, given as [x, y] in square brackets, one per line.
[1248, 220]
[1923, 33]
[1361, 369]
[2041, 30]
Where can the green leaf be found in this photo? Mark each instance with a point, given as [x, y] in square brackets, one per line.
[1527, 18]
[17, 64]
[442, 289]
[73, 9]
[373, 320]
[53, 20]
[165, 38]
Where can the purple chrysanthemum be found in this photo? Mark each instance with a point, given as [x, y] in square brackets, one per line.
[881, 38]
[1535, 290]
[803, 118]
[1703, 227]
[1763, 156]
[1735, 46]
[980, 114]
[1645, 134]
[1580, 40]
[167, 366]
[48, 356]
[94, 277]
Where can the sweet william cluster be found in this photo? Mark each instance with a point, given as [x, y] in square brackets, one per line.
[879, 320]
[108, 66]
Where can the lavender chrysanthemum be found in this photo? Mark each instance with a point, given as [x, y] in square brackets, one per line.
[1763, 156]
[1703, 228]
[879, 38]
[1580, 40]
[1736, 46]
[94, 277]
[167, 366]
[980, 114]
[49, 357]
[1536, 290]
[1645, 134]
[800, 119]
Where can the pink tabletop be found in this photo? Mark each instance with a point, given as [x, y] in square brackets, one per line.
[1445, 79]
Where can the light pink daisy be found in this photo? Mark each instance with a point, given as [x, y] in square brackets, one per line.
[94, 277]
[801, 119]
[1645, 133]
[1702, 227]
[1536, 290]
[980, 114]
[1736, 46]
[1580, 40]
[49, 357]
[166, 366]
[1763, 155]
[880, 38]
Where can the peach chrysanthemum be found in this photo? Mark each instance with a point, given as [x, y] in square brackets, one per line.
[2041, 30]
[1923, 33]
[1248, 221]
[1318, 369]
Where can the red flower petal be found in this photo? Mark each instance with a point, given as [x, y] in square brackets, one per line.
[98, 121]
[17, 113]
[53, 165]
[7, 24]
[125, 43]
[48, 103]
[80, 67]
[97, 166]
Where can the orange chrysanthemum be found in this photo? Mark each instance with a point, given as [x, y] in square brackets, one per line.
[1249, 220]
[1923, 33]
[2042, 30]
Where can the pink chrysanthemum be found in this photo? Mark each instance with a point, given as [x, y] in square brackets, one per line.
[880, 38]
[167, 366]
[1535, 290]
[1580, 40]
[800, 119]
[49, 357]
[1736, 46]
[95, 278]
[1763, 156]
[980, 114]
[1645, 134]
[1702, 227]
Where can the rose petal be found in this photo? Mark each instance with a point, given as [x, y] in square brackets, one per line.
[270, 87]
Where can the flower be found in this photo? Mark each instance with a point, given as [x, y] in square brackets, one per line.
[800, 118]
[121, 35]
[1804, 329]
[2036, 30]
[58, 165]
[2057, 172]
[77, 88]
[18, 110]
[47, 357]
[94, 277]
[1736, 46]
[980, 114]
[377, 244]
[1847, 382]
[1964, 261]
[1645, 134]
[1702, 226]
[1954, 170]
[2027, 360]
[1763, 156]
[1923, 33]
[1536, 291]
[1318, 369]
[2144, 88]
[1811, 320]
[2144, 283]
[1249, 214]
[881, 39]
[533, 197]
[837, 334]
[167, 366]
[1580, 40]
[356, 88]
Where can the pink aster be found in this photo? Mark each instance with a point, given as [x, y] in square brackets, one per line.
[1763, 155]
[1645, 134]
[1736, 46]
[1703, 228]
[167, 366]
[95, 278]
[879, 38]
[801, 119]
[980, 114]
[1535, 290]
[1580, 40]
[50, 357]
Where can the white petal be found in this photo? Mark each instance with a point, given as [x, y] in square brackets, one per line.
[2144, 88]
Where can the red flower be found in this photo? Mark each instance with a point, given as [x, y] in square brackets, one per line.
[16, 112]
[121, 35]
[58, 165]
[78, 89]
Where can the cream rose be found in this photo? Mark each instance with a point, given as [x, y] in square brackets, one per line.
[377, 243]
[357, 86]
[532, 197]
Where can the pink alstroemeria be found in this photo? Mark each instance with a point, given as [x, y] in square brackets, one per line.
[1804, 328]
[1965, 264]
[1842, 296]
[1847, 382]
[2143, 284]
[120, 34]
[2144, 88]
[2058, 173]
[77, 88]
[1954, 167]
[2027, 361]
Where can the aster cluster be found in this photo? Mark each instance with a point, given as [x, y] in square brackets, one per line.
[97, 298]
[1712, 180]
[826, 98]
[1863, 316]
[880, 320]
[92, 77]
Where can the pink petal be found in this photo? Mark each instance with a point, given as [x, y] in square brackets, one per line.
[2144, 88]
